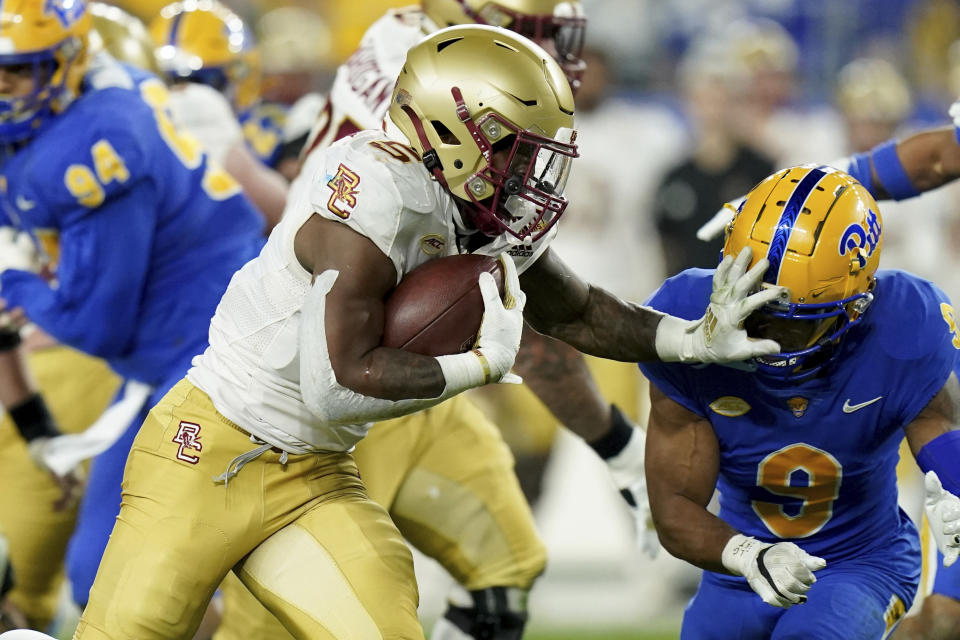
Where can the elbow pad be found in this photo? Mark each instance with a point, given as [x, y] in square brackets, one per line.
[331, 402]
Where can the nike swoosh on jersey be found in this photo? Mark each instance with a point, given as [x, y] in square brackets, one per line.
[850, 408]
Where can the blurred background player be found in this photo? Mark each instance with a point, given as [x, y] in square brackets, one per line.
[818, 487]
[209, 56]
[77, 388]
[88, 145]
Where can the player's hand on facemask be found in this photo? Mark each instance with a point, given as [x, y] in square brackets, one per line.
[502, 324]
[628, 474]
[18, 251]
[943, 514]
[71, 483]
[715, 226]
[719, 335]
[781, 573]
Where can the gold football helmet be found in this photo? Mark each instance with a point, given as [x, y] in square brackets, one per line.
[203, 41]
[822, 233]
[556, 25]
[491, 114]
[48, 42]
[872, 89]
[122, 36]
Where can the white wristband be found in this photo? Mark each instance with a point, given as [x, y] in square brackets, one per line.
[739, 552]
[669, 340]
[463, 371]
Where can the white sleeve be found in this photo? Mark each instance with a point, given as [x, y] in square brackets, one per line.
[206, 114]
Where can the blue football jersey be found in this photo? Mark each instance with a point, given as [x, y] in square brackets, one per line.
[149, 234]
[814, 461]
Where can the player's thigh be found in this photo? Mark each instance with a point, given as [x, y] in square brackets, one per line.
[244, 616]
[339, 571]
[724, 611]
[462, 505]
[391, 449]
[844, 605]
[177, 533]
[76, 388]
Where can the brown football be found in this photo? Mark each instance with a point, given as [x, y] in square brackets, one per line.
[436, 309]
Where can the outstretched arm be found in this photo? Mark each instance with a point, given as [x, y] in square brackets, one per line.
[563, 306]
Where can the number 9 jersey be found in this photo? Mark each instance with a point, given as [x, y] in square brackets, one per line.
[814, 461]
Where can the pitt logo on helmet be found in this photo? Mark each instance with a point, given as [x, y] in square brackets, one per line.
[822, 233]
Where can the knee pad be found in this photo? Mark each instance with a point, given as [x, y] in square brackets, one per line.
[497, 613]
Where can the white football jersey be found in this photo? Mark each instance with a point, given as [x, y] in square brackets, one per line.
[361, 91]
[377, 186]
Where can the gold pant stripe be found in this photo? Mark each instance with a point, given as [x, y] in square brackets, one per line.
[311, 581]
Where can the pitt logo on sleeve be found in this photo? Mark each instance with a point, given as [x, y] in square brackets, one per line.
[188, 437]
[344, 197]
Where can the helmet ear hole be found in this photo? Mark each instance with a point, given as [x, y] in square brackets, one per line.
[446, 136]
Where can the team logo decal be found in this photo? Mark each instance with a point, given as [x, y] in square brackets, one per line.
[344, 197]
[730, 406]
[859, 240]
[432, 244]
[798, 406]
[188, 437]
[66, 11]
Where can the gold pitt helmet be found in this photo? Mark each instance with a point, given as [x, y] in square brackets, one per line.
[203, 41]
[822, 233]
[491, 114]
[47, 40]
[557, 25]
[123, 36]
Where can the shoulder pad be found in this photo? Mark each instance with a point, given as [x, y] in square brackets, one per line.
[392, 166]
[913, 318]
[684, 295]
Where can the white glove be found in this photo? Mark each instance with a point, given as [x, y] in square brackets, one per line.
[719, 335]
[943, 514]
[716, 225]
[781, 573]
[497, 341]
[18, 251]
[502, 324]
[626, 469]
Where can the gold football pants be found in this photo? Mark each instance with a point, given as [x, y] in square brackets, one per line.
[446, 477]
[77, 388]
[300, 532]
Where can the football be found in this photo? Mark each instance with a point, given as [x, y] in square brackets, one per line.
[436, 309]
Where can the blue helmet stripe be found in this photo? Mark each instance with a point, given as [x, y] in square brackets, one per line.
[778, 244]
[175, 28]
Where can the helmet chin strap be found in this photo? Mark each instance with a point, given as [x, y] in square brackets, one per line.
[430, 158]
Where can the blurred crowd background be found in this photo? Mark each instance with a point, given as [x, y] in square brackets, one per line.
[685, 104]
